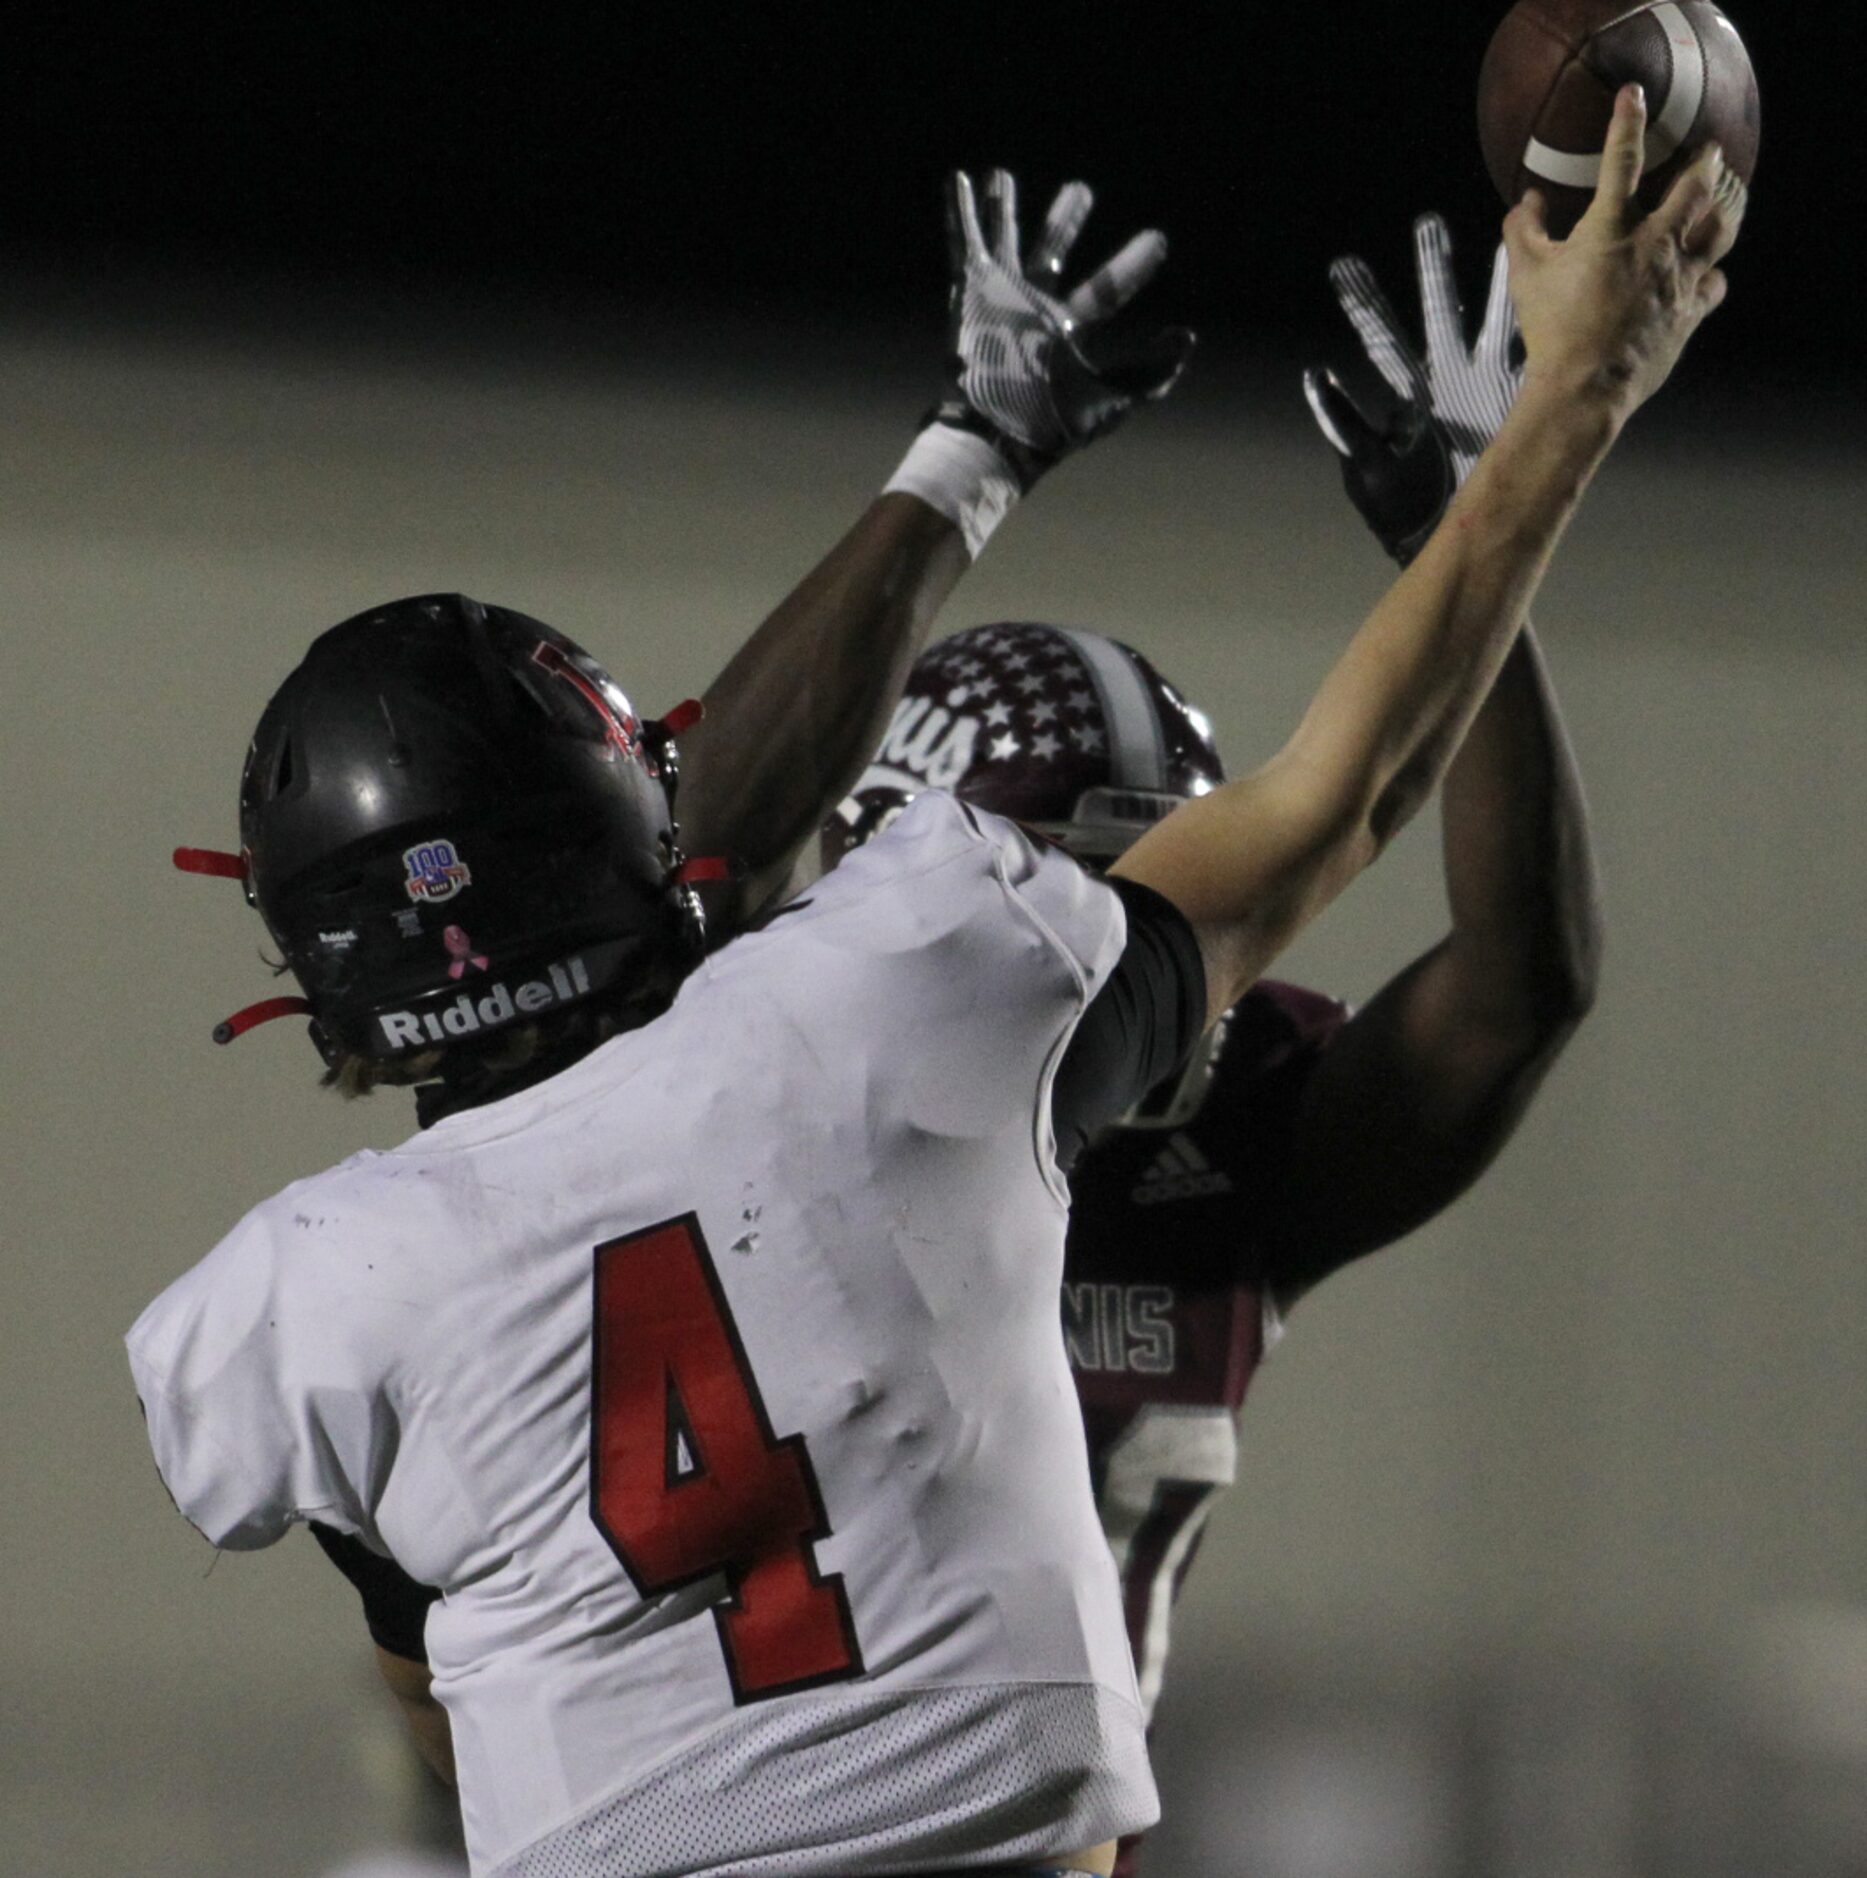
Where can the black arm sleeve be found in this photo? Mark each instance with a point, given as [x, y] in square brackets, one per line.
[394, 1606]
[1138, 1029]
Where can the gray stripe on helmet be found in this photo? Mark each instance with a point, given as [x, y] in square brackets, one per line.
[1137, 750]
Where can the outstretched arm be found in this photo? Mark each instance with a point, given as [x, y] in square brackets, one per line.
[1420, 1090]
[798, 712]
[1423, 1086]
[1605, 315]
[802, 705]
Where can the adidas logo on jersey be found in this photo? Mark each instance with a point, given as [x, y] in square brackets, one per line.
[469, 1014]
[1180, 1172]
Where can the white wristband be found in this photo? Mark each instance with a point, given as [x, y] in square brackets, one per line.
[960, 475]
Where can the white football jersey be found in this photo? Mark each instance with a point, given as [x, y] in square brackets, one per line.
[718, 1383]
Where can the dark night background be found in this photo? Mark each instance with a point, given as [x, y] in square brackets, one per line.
[633, 168]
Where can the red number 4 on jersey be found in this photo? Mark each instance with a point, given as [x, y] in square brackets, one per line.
[687, 1478]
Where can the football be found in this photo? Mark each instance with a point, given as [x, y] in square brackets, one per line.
[1546, 92]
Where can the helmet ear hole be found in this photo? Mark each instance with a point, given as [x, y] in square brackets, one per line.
[282, 769]
[336, 892]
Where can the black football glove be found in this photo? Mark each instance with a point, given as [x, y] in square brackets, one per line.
[1018, 373]
[1402, 474]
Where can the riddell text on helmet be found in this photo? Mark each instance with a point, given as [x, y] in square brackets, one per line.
[471, 1013]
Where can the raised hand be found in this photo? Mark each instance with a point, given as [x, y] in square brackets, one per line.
[1402, 473]
[1610, 310]
[1025, 372]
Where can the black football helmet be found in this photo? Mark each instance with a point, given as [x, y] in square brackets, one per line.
[1073, 734]
[452, 820]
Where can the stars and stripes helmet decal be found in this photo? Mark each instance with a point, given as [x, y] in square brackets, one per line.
[1070, 732]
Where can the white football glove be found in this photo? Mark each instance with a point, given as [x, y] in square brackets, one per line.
[1029, 375]
[1402, 474]
[1019, 375]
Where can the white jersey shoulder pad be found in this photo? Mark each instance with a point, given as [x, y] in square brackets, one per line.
[245, 1383]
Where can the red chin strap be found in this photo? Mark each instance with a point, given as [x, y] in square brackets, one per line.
[696, 869]
[684, 716]
[224, 866]
[261, 1013]
[214, 861]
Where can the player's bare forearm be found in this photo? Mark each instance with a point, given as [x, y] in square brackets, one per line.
[794, 719]
[1423, 1087]
[1255, 861]
[802, 705]
[1525, 947]
[1387, 721]
[412, 1685]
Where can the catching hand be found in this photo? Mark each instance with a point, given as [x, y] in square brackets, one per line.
[1020, 375]
[1610, 310]
[1401, 474]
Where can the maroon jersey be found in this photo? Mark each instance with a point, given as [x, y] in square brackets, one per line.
[1166, 1307]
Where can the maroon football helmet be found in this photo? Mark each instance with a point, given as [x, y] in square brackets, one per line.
[1073, 734]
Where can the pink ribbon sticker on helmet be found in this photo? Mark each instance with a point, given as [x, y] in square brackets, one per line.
[460, 949]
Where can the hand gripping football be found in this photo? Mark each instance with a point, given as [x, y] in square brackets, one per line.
[1546, 92]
